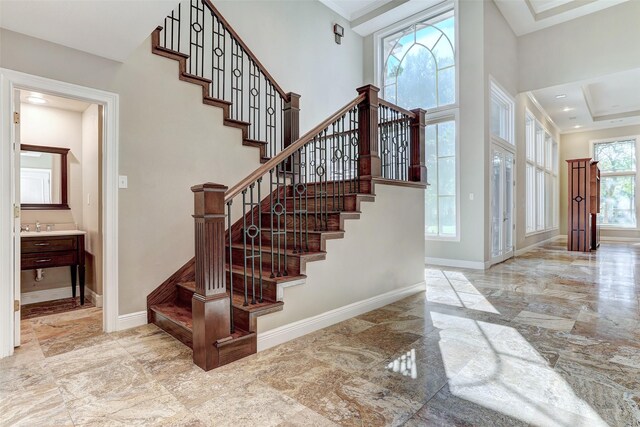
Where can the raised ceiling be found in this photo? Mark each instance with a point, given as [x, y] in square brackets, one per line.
[603, 102]
[108, 28]
[527, 16]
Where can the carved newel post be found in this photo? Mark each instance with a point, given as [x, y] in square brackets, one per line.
[210, 302]
[417, 162]
[369, 165]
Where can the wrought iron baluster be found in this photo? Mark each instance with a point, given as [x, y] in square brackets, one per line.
[252, 236]
[244, 245]
[259, 225]
[218, 49]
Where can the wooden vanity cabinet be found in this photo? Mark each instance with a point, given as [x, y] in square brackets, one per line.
[583, 231]
[56, 251]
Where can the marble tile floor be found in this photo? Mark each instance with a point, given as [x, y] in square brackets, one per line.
[550, 338]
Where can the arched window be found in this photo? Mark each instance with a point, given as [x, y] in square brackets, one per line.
[419, 64]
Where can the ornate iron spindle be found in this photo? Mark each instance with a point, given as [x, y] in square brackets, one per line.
[244, 244]
[254, 100]
[196, 39]
[236, 80]
[230, 261]
[271, 119]
[218, 49]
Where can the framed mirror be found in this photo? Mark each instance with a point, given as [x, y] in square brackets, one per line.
[43, 177]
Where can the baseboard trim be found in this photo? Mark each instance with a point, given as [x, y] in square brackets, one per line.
[58, 293]
[619, 239]
[131, 320]
[538, 244]
[302, 327]
[456, 263]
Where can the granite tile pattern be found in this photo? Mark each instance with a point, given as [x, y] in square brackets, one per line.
[550, 338]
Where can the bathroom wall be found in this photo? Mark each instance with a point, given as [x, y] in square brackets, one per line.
[92, 194]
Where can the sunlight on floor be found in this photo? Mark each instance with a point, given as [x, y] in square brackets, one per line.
[494, 366]
[453, 288]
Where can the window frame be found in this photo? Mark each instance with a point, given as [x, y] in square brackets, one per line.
[592, 144]
[450, 112]
[545, 206]
[505, 98]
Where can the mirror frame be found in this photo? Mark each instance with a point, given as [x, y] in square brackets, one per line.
[64, 204]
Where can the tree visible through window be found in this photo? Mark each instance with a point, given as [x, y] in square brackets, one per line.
[418, 70]
[617, 163]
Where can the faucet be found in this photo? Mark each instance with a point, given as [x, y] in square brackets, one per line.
[37, 226]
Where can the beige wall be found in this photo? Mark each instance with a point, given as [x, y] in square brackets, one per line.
[380, 252]
[170, 141]
[594, 45]
[576, 145]
[297, 47]
[53, 127]
[92, 195]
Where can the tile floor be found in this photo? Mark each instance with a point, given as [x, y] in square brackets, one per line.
[550, 338]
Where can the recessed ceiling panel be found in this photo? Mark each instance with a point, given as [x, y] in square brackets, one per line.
[615, 96]
[544, 5]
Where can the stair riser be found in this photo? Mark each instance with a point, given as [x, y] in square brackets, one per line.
[329, 188]
[316, 223]
[329, 203]
[292, 262]
[269, 288]
[314, 244]
[179, 333]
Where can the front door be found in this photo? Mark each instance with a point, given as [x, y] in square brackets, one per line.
[502, 185]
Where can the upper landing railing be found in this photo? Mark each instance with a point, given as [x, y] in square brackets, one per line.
[216, 54]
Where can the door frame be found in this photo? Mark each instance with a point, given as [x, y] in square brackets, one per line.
[10, 80]
[511, 150]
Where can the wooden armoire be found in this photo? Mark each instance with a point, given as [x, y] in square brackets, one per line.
[583, 205]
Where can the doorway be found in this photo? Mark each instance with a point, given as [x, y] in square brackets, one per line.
[12, 84]
[502, 203]
[58, 186]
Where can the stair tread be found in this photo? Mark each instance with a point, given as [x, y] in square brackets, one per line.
[218, 100]
[180, 314]
[266, 275]
[255, 141]
[238, 301]
[337, 233]
[196, 77]
[328, 212]
[267, 248]
[240, 122]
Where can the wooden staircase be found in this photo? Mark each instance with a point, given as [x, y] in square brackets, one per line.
[311, 185]
[170, 305]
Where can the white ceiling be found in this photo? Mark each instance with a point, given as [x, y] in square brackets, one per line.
[527, 16]
[107, 28]
[599, 103]
[54, 101]
[353, 9]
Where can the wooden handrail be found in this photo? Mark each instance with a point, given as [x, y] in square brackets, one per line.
[397, 108]
[242, 44]
[275, 161]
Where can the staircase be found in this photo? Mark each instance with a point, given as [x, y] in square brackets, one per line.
[256, 238]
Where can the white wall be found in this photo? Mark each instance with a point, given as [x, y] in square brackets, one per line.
[576, 145]
[594, 45]
[381, 252]
[53, 127]
[91, 195]
[295, 42]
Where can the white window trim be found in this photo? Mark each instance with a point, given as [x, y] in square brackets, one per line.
[543, 168]
[439, 118]
[592, 143]
[504, 96]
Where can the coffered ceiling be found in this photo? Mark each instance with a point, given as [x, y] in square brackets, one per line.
[527, 16]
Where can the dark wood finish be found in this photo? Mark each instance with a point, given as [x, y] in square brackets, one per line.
[166, 291]
[583, 203]
[369, 163]
[288, 151]
[418, 156]
[291, 119]
[64, 201]
[56, 251]
[210, 305]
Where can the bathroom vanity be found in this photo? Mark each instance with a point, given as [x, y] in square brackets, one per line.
[60, 248]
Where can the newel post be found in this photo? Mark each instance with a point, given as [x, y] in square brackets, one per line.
[291, 119]
[417, 162]
[210, 304]
[369, 165]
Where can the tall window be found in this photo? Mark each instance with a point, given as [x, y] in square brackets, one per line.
[541, 177]
[502, 107]
[617, 162]
[418, 70]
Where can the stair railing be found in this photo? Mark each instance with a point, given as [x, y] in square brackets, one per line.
[216, 54]
[304, 188]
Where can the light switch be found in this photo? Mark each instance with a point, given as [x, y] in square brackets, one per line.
[122, 181]
[471, 196]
